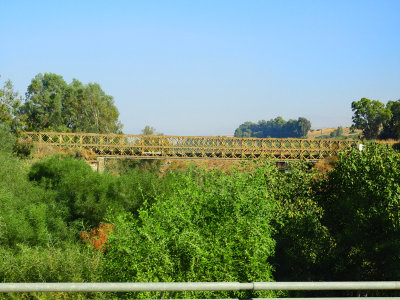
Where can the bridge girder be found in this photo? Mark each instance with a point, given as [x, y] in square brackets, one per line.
[192, 147]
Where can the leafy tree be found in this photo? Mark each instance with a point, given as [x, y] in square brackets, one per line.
[245, 130]
[275, 128]
[361, 201]
[338, 132]
[87, 108]
[369, 116]
[52, 104]
[303, 127]
[148, 130]
[10, 102]
[391, 129]
[43, 106]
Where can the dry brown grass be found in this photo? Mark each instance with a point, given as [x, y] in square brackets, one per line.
[325, 165]
[43, 151]
[312, 134]
[389, 142]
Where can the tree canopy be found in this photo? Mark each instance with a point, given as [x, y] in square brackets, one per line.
[377, 120]
[52, 104]
[10, 102]
[391, 128]
[275, 128]
[361, 200]
[338, 132]
[149, 130]
[369, 116]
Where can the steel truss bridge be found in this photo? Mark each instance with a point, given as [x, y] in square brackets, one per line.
[191, 147]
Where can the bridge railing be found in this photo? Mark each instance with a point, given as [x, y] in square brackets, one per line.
[202, 286]
[192, 146]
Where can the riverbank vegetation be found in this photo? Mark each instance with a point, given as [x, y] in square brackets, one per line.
[60, 221]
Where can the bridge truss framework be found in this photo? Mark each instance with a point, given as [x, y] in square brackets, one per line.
[192, 147]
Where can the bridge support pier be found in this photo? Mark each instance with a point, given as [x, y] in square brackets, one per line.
[100, 164]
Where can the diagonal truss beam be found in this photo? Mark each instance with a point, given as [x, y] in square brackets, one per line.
[191, 147]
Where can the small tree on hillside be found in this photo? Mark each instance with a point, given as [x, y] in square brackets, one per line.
[338, 132]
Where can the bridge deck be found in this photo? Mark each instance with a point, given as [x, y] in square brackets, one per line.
[192, 147]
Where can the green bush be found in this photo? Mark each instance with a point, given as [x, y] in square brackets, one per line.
[83, 194]
[86, 195]
[7, 140]
[301, 240]
[361, 200]
[211, 227]
[69, 262]
[28, 214]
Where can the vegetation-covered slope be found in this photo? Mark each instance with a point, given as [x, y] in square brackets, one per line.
[251, 223]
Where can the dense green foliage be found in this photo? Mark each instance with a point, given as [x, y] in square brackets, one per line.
[274, 128]
[391, 128]
[361, 200]
[302, 241]
[68, 263]
[369, 116]
[377, 120]
[36, 242]
[212, 227]
[252, 223]
[10, 103]
[28, 214]
[53, 105]
[338, 132]
[86, 196]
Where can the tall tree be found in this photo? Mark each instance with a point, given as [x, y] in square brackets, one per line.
[10, 103]
[52, 104]
[369, 116]
[87, 108]
[244, 130]
[338, 132]
[303, 127]
[43, 105]
[391, 129]
[148, 130]
[275, 128]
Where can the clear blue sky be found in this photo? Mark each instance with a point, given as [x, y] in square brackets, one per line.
[205, 67]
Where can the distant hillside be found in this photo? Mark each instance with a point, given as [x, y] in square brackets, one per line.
[324, 133]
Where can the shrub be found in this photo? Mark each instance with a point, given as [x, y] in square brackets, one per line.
[86, 195]
[69, 262]
[211, 227]
[301, 240]
[28, 214]
[7, 140]
[361, 199]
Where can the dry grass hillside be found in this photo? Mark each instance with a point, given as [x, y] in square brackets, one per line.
[316, 133]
